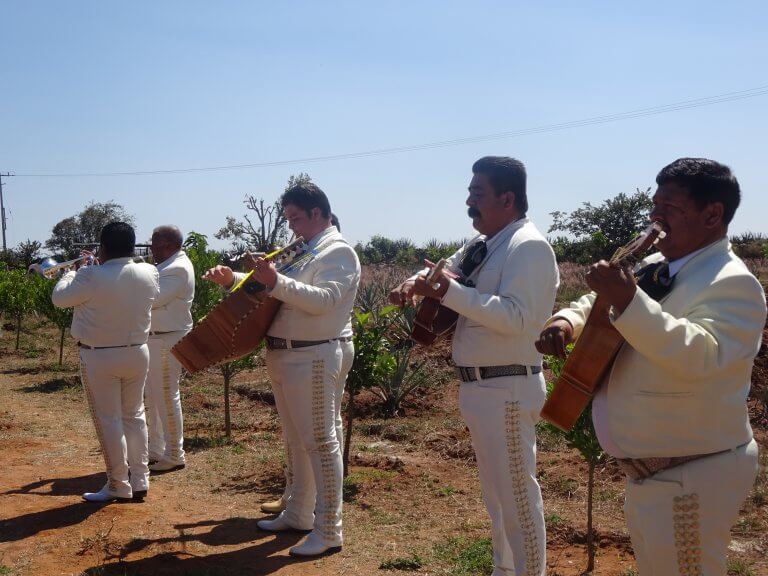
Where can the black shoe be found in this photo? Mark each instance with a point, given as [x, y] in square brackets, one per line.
[139, 495]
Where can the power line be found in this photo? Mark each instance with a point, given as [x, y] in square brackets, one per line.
[595, 120]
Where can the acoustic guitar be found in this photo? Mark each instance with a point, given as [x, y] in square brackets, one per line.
[433, 320]
[596, 348]
[237, 324]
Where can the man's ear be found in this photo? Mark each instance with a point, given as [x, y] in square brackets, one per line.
[510, 200]
[713, 214]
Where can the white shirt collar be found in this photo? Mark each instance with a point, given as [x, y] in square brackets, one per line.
[676, 265]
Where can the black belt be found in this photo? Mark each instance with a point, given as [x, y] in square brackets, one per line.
[469, 373]
[105, 347]
[157, 332]
[283, 344]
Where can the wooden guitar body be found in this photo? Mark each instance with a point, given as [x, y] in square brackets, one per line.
[584, 369]
[595, 350]
[236, 325]
[433, 320]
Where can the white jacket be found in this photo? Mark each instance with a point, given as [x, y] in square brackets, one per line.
[317, 297]
[679, 384]
[514, 293]
[112, 301]
[171, 309]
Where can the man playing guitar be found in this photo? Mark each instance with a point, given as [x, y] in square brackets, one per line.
[509, 280]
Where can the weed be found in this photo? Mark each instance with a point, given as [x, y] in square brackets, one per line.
[446, 491]
[629, 572]
[4, 569]
[467, 557]
[738, 567]
[553, 520]
[410, 563]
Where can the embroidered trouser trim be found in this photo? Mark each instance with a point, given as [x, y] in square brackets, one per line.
[163, 398]
[501, 414]
[114, 386]
[348, 356]
[680, 519]
[306, 386]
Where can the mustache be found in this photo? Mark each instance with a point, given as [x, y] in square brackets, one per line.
[473, 212]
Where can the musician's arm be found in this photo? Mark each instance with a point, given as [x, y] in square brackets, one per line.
[576, 314]
[74, 288]
[722, 326]
[337, 272]
[528, 286]
[173, 282]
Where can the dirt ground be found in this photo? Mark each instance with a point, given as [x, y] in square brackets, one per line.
[413, 491]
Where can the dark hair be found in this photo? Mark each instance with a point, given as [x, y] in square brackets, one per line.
[335, 221]
[707, 182]
[505, 175]
[119, 239]
[307, 196]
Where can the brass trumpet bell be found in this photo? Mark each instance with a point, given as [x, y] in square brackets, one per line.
[49, 268]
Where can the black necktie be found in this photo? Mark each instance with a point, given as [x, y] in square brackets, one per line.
[472, 258]
[654, 280]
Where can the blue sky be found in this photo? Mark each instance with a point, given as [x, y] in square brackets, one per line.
[95, 87]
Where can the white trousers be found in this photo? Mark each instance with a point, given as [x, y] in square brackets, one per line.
[680, 519]
[113, 379]
[163, 398]
[307, 390]
[348, 357]
[501, 414]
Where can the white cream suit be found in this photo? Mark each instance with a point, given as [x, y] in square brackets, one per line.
[500, 320]
[308, 383]
[678, 387]
[171, 320]
[112, 305]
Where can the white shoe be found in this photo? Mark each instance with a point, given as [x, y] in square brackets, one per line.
[105, 495]
[315, 545]
[166, 466]
[280, 524]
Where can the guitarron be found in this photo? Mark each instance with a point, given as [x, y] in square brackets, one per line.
[237, 324]
[596, 348]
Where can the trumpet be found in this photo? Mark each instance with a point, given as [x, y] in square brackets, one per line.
[48, 267]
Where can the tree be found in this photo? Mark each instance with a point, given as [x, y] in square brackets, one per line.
[23, 255]
[17, 296]
[61, 317]
[267, 229]
[599, 230]
[85, 227]
[583, 438]
[207, 295]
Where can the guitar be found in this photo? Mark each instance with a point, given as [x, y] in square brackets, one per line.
[237, 324]
[595, 350]
[433, 320]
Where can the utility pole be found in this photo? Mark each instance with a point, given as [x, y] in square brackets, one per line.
[2, 207]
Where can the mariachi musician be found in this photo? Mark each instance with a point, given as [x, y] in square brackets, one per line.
[673, 407]
[111, 320]
[307, 344]
[509, 279]
[171, 320]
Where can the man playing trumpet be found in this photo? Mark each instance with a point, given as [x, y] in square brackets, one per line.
[111, 320]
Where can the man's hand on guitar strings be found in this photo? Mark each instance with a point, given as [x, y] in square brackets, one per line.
[221, 275]
[402, 295]
[616, 285]
[434, 289]
[555, 337]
